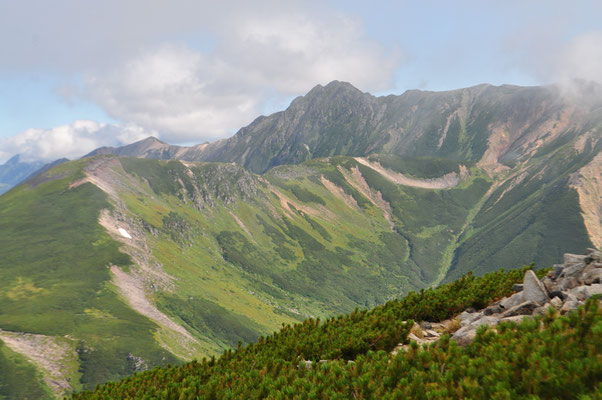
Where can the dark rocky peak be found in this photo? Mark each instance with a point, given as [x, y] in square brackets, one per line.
[145, 144]
[151, 147]
[335, 92]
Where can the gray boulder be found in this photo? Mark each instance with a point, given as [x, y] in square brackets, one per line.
[307, 364]
[468, 318]
[466, 334]
[568, 306]
[556, 302]
[533, 289]
[573, 258]
[549, 284]
[592, 274]
[516, 318]
[512, 301]
[557, 269]
[494, 309]
[593, 255]
[584, 292]
[573, 271]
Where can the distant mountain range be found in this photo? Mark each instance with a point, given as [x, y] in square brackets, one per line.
[14, 171]
[150, 253]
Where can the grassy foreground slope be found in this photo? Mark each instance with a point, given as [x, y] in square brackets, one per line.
[560, 360]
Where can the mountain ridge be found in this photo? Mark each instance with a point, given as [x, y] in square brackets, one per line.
[250, 147]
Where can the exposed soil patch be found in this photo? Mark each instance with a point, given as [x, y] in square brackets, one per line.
[49, 354]
[447, 181]
[357, 181]
[588, 184]
[319, 211]
[340, 193]
[526, 138]
[133, 289]
[242, 225]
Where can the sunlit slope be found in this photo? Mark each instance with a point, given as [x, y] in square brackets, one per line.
[55, 280]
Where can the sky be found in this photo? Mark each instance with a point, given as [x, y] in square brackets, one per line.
[79, 74]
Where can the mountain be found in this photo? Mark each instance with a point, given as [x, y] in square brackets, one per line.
[150, 147]
[150, 254]
[496, 126]
[14, 171]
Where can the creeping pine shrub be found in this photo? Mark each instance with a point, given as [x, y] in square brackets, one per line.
[547, 357]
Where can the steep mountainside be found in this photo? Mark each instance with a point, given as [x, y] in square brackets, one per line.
[540, 147]
[496, 126]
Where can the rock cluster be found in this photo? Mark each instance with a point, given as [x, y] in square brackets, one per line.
[564, 288]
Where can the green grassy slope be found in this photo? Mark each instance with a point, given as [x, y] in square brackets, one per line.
[246, 254]
[55, 280]
[316, 254]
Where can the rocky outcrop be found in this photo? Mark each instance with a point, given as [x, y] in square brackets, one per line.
[564, 288]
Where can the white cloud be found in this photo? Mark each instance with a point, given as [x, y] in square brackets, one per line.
[552, 56]
[580, 59]
[189, 95]
[70, 141]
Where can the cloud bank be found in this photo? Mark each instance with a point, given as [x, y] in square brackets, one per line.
[192, 95]
[69, 141]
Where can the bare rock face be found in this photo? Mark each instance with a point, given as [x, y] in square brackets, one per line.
[517, 287]
[533, 289]
[564, 289]
[584, 292]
